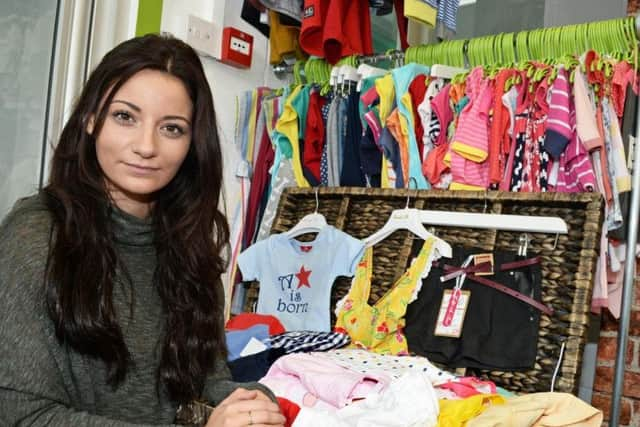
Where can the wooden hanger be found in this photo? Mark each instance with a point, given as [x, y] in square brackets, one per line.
[407, 219]
[311, 223]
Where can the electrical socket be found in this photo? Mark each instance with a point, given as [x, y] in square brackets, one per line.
[239, 45]
[204, 37]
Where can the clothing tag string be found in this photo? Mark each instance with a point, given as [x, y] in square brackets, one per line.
[455, 297]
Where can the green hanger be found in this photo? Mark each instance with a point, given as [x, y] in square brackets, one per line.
[309, 70]
[471, 52]
[601, 42]
[297, 72]
[624, 45]
[534, 44]
[410, 54]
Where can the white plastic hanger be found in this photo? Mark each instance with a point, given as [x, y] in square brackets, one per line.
[533, 224]
[346, 76]
[407, 219]
[445, 71]
[311, 223]
[333, 78]
[366, 70]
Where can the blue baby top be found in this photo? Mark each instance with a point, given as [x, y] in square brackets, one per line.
[296, 277]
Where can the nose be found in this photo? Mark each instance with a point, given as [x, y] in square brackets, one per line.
[146, 146]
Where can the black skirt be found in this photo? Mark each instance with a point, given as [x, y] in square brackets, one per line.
[499, 330]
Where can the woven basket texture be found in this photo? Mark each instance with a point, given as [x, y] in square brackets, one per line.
[567, 266]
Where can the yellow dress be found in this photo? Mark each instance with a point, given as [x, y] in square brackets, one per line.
[456, 413]
[379, 328]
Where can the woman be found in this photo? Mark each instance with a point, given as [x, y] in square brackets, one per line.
[111, 303]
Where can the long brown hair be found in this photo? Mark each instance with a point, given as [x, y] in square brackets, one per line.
[190, 231]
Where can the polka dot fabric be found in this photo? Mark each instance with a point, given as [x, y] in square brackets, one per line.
[364, 361]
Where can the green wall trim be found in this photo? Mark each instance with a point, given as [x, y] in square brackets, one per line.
[149, 17]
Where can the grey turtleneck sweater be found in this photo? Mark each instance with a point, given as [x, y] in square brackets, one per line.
[44, 383]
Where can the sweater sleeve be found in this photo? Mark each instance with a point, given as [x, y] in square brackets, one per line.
[220, 385]
[33, 391]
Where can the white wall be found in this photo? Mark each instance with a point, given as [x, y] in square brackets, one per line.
[567, 12]
[226, 82]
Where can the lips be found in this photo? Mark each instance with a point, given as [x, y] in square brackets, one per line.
[141, 168]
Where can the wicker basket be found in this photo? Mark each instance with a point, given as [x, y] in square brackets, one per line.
[567, 266]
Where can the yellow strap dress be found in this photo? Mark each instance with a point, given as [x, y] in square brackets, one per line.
[379, 327]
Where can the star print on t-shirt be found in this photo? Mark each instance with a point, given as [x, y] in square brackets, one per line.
[303, 277]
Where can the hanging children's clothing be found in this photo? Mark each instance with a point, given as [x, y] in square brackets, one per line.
[379, 327]
[333, 29]
[291, 8]
[499, 330]
[296, 277]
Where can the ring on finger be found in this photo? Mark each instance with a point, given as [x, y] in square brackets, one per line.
[250, 418]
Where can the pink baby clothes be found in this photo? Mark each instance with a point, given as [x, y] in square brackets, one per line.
[314, 381]
[470, 145]
[559, 131]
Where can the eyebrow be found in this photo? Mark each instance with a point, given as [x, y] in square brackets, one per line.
[138, 109]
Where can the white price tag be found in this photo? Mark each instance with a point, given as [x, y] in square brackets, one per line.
[452, 312]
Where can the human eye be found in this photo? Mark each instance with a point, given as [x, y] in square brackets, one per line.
[173, 130]
[123, 116]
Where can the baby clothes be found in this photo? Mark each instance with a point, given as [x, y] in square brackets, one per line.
[395, 366]
[407, 401]
[310, 381]
[379, 327]
[540, 410]
[296, 277]
[559, 131]
[457, 413]
[305, 341]
[470, 146]
[499, 330]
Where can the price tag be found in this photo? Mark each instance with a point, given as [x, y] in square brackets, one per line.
[481, 259]
[243, 170]
[452, 312]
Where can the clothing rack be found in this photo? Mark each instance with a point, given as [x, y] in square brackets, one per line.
[627, 286]
[632, 232]
[283, 69]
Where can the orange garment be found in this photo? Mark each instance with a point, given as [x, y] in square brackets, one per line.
[434, 166]
[378, 327]
[283, 40]
[393, 123]
[456, 93]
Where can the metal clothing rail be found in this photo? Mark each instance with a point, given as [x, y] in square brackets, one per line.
[629, 267]
[632, 239]
[395, 55]
[627, 288]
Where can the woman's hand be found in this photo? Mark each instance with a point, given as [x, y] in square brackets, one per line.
[246, 408]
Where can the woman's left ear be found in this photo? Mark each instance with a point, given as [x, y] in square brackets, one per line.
[90, 124]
